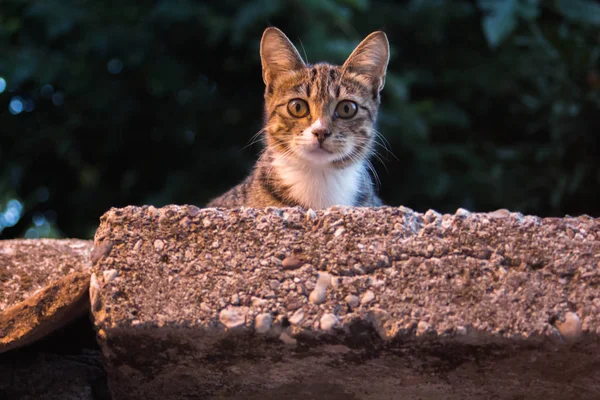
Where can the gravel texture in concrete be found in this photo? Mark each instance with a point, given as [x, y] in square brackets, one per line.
[43, 285]
[361, 303]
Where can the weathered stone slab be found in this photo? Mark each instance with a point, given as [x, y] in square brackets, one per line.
[346, 303]
[43, 285]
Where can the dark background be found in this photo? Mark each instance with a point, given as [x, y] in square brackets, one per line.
[487, 104]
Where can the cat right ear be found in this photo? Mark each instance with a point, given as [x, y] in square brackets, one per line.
[370, 59]
[278, 55]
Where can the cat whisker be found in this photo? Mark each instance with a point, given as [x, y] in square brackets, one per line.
[373, 152]
[287, 155]
[304, 51]
[378, 158]
[254, 139]
[355, 157]
[384, 143]
[374, 173]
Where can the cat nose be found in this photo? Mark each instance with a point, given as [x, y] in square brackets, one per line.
[321, 134]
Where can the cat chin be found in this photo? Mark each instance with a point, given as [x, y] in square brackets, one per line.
[320, 157]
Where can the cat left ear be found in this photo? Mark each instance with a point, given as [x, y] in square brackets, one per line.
[278, 55]
[370, 59]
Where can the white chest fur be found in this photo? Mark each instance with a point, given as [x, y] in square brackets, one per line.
[319, 186]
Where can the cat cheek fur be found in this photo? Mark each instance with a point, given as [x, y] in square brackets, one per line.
[283, 131]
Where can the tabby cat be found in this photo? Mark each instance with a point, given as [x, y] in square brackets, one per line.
[319, 129]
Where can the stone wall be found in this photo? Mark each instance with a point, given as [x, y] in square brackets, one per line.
[47, 346]
[346, 303]
[343, 303]
[43, 285]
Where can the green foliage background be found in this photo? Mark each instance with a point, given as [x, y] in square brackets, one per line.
[488, 104]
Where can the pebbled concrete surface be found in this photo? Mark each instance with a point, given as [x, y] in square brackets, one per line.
[352, 303]
[29, 265]
[43, 286]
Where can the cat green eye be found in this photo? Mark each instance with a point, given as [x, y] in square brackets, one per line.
[298, 108]
[346, 109]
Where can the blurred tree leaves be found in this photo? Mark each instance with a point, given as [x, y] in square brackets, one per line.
[580, 11]
[502, 16]
[487, 104]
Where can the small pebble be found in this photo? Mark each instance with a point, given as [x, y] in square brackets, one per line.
[336, 282]
[317, 296]
[352, 300]
[193, 211]
[339, 232]
[294, 305]
[95, 302]
[163, 219]
[368, 297]
[287, 339]
[232, 317]
[274, 284]
[216, 244]
[262, 322]
[310, 214]
[235, 299]
[101, 251]
[297, 317]
[461, 212]
[274, 210]
[430, 249]
[301, 289]
[461, 330]
[422, 327]
[431, 216]
[109, 275]
[337, 223]
[291, 262]
[328, 321]
[501, 213]
[570, 329]
[258, 302]
[276, 261]
[379, 318]
[158, 245]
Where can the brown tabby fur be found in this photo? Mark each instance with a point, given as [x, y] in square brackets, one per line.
[338, 174]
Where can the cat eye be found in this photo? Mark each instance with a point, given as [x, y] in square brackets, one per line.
[346, 109]
[298, 108]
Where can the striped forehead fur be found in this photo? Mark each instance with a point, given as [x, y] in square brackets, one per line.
[323, 86]
[319, 81]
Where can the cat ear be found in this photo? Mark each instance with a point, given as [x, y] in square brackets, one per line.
[370, 59]
[278, 55]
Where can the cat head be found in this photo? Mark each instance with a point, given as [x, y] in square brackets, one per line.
[322, 114]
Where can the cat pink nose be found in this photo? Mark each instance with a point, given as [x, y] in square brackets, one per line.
[321, 134]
